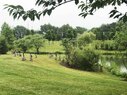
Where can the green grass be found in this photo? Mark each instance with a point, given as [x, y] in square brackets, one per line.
[45, 76]
[53, 46]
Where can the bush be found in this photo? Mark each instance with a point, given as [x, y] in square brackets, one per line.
[86, 59]
[124, 75]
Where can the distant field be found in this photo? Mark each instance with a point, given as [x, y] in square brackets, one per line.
[45, 76]
[53, 46]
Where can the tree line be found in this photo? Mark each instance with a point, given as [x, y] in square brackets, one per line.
[10, 36]
[111, 36]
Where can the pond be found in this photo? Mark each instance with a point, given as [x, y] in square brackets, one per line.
[111, 61]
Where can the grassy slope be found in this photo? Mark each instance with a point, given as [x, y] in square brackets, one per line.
[45, 76]
[52, 47]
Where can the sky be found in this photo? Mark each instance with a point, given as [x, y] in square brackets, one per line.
[65, 14]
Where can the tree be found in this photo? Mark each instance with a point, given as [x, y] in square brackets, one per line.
[85, 39]
[20, 32]
[121, 40]
[105, 31]
[37, 42]
[88, 7]
[21, 44]
[66, 31]
[50, 32]
[80, 30]
[84, 59]
[7, 32]
[3, 45]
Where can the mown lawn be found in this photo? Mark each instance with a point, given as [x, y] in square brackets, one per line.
[45, 76]
[52, 46]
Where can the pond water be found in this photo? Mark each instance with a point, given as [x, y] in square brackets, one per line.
[112, 61]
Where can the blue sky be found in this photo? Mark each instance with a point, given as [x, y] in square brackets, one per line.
[65, 14]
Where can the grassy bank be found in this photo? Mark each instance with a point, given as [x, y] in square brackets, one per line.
[52, 46]
[45, 76]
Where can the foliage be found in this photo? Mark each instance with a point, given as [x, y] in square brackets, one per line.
[85, 39]
[53, 33]
[105, 32]
[85, 59]
[7, 32]
[121, 40]
[64, 31]
[50, 32]
[105, 45]
[22, 44]
[37, 42]
[80, 30]
[120, 37]
[88, 7]
[3, 45]
[20, 32]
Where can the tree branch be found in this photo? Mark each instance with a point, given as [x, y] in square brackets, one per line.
[59, 4]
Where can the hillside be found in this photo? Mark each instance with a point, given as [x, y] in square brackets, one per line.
[45, 76]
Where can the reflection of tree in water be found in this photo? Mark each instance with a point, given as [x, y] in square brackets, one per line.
[121, 62]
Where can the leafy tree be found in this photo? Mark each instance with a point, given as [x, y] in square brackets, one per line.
[105, 45]
[7, 32]
[66, 31]
[121, 36]
[88, 7]
[71, 34]
[3, 45]
[20, 32]
[121, 40]
[69, 47]
[85, 59]
[54, 33]
[22, 44]
[37, 42]
[44, 28]
[80, 30]
[85, 39]
[105, 32]
[50, 32]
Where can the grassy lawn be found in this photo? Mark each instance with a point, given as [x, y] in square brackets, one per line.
[53, 46]
[45, 76]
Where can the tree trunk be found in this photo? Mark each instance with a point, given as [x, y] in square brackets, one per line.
[23, 57]
[37, 50]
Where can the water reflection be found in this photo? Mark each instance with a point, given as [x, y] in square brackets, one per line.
[109, 61]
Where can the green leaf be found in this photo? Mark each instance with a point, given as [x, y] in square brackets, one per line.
[53, 3]
[117, 16]
[49, 12]
[44, 12]
[24, 17]
[10, 12]
[90, 1]
[37, 2]
[76, 2]
[14, 15]
[37, 16]
[59, 1]
[19, 7]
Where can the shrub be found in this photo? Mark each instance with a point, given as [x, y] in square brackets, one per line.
[86, 59]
